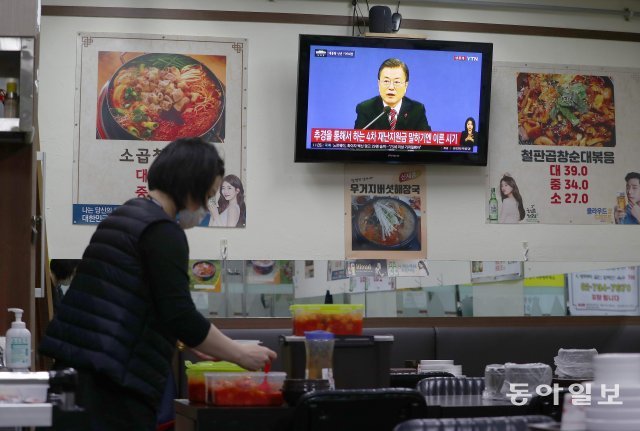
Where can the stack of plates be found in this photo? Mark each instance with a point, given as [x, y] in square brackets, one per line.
[445, 365]
[617, 380]
[575, 363]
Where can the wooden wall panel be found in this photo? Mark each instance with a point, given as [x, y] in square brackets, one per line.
[16, 249]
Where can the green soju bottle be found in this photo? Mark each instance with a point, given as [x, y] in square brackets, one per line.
[493, 206]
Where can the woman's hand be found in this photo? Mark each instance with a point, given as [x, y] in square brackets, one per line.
[254, 357]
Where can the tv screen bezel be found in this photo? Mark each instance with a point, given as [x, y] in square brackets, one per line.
[307, 155]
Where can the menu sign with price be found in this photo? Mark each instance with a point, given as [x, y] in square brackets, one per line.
[608, 291]
[565, 153]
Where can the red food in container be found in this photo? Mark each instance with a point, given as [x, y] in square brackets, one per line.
[245, 389]
[340, 319]
[196, 383]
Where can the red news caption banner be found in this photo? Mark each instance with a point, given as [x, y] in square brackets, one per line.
[340, 138]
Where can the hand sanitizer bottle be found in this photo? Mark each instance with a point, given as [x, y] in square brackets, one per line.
[18, 350]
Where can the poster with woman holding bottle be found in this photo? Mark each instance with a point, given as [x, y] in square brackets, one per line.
[509, 207]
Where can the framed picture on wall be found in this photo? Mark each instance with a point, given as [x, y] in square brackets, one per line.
[385, 214]
[135, 93]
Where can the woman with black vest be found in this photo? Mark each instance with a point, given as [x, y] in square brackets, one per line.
[129, 301]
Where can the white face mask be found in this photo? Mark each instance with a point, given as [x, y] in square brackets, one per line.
[188, 219]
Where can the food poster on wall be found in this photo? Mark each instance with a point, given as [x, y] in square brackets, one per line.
[385, 212]
[408, 268]
[270, 271]
[564, 149]
[367, 268]
[286, 271]
[336, 270]
[263, 272]
[137, 93]
[204, 275]
[489, 271]
[604, 292]
[429, 273]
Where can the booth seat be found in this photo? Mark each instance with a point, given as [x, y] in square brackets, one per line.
[475, 347]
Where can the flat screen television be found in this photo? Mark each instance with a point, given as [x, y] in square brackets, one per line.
[347, 87]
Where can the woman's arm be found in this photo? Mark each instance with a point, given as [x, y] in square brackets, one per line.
[233, 215]
[165, 255]
[249, 356]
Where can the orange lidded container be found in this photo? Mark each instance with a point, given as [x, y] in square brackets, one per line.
[196, 382]
[340, 319]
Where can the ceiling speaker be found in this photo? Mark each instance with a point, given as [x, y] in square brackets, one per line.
[380, 19]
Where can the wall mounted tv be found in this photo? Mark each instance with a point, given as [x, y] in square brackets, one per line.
[347, 87]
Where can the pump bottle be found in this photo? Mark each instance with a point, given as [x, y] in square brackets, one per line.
[18, 350]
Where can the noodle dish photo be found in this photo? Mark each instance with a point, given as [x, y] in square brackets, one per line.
[162, 97]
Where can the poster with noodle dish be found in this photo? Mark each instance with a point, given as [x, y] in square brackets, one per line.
[385, 213]
[565, 150]
[137, 93]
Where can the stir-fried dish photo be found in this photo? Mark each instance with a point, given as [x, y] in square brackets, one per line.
[565, 109]
[163, 97]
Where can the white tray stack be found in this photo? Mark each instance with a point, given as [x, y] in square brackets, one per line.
[615, 393]
[444, 365]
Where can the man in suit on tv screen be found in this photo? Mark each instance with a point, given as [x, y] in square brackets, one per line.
[391, 110]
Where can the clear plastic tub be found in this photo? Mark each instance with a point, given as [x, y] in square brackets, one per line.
[340, 319]
[196, 384]
[24, 387]
[245, 389]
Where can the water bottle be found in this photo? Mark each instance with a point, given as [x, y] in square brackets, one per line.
[319, 350]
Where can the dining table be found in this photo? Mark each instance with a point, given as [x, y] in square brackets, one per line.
[202, 417]
[462, 406]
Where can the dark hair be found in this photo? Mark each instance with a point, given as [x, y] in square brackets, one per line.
[62, 269]
[424, 265]
[236, 183]
[186, 167]
[632, 175]
[394, 62]
[515, 192]
[472, 122]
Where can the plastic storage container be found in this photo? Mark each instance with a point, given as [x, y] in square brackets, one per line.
[370, 356]
[24, 387]
[341, 319]
[245, 389]
[319, 354]
[196, 383]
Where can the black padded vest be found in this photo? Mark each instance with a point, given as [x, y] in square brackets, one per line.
[106, 322]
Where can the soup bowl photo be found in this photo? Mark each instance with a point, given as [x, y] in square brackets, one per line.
[385, 223]
[203, 270]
